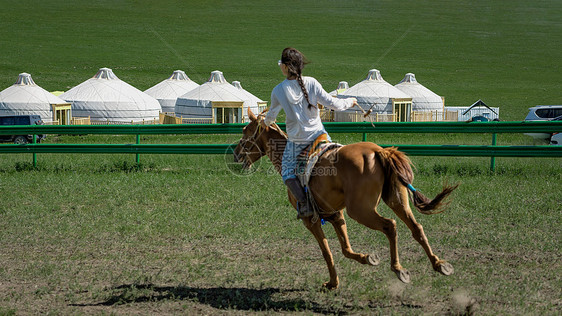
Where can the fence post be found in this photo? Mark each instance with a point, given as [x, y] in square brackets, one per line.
[138, 155]
[493, 159]
[34, 141]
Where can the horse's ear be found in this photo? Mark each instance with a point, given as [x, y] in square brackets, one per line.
[251, 115]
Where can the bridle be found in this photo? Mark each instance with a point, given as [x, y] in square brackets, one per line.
[257, 134]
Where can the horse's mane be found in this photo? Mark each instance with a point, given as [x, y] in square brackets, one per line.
[273, 126]
[276, 127]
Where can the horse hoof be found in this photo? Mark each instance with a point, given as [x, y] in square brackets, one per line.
[329, 286]
[446, 268]
[403, 275]
[373, 260]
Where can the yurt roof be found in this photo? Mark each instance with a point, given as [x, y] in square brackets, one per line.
[374, 93]
[342, 86]
[422, 97]
[374, 86]
[25, 97]
[251, 97]
[105, 96]
[215, 89]
[173, 87]
[197, 103]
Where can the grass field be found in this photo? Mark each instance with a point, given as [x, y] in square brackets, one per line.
[183, 235]
[96, 234]
[503, 53]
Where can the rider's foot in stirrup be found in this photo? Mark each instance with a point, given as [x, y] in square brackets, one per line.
[304, 211]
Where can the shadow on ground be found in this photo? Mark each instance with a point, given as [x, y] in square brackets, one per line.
[218, 297]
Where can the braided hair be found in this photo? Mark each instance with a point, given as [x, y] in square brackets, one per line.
[295, 62]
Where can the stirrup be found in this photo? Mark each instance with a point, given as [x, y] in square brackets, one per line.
[303, 212]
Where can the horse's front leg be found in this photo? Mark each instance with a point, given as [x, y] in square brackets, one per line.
[338, 221]
[316, 230]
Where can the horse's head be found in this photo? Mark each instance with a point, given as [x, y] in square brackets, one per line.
[253, 144]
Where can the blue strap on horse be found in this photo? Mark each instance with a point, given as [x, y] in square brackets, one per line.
[411, 188]
[321, 219]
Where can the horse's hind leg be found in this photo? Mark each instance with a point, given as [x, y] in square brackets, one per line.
[316, 230]
[338, 221]
[368, 216]
[400, 204]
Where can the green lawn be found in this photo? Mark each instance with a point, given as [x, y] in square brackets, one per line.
[503, 53]
[92, 234]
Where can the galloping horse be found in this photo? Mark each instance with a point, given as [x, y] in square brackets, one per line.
[363, 174]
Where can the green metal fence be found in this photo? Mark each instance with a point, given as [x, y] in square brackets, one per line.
[339, 127]
[492, 150]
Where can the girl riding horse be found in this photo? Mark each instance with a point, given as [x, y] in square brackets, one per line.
[298, 96]
[364, 172]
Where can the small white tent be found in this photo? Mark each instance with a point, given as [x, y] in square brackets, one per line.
[261, 105]
[168, 91]
[27, 98]
[423, 99]
[216, 100]
[107, 98]
[374, 92]
[342, 86]
[385, 101]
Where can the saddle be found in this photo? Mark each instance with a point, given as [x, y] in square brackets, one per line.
[307, 160]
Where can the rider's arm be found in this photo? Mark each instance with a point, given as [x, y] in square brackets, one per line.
[273, 111]
[330, 102]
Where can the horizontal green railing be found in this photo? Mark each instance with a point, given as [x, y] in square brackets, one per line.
[339, 127]
[413, 150]
[331, 127]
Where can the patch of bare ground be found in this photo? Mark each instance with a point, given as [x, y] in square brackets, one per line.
[214, 275]
[165, 277]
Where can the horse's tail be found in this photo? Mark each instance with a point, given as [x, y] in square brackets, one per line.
[398, 167]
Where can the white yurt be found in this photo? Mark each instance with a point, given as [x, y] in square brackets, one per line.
[107, 98]
[386, 102]
[262, 105]
[376, 92]
[168, 91]
[342, 86]
[215, 101]
[27, 98]
[423, 99]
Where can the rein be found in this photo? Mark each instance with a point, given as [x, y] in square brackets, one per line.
[257, 133]
[366, 113]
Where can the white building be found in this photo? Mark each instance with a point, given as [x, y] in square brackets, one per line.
[262, 105]
[168, 91]
[25, 97]
[426, 104]
[423, 99]
[215, 101]
[107, 98]
[477, 111]
[386, 102]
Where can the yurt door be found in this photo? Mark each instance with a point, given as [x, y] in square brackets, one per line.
[402, 111]
[227, 112]
[62, 113]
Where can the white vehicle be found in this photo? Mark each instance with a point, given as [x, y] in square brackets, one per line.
[556, 139]
[544, 113]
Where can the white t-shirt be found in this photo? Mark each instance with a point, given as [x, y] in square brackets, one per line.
[303, 124]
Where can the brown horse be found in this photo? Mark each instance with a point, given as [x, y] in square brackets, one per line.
[363, 173]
